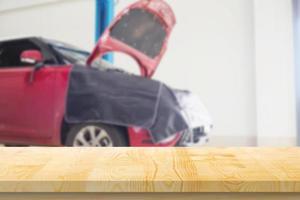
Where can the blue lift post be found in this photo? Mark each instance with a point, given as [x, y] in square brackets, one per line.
[104, 15]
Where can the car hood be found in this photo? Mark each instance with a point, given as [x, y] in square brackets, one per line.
[141, 31]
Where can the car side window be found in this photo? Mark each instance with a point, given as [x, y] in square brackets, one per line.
[10, 53]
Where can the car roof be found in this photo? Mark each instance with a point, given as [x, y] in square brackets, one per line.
[21, 38]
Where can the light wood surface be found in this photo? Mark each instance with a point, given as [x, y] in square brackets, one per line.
[151, 196]
[149, 170]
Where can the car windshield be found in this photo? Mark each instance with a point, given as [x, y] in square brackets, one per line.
[74, 55]
[70, 53]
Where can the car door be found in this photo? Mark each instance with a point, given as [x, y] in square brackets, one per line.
[26, 108]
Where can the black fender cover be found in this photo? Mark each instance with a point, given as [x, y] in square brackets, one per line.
[117, 98]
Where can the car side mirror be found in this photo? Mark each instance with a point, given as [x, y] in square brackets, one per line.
[33, 57]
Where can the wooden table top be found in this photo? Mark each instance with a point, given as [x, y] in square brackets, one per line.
[149, 169]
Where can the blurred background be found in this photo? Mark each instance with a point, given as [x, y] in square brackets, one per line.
[238, 55]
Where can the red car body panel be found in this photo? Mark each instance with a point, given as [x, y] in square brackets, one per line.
[29, 112]
[141, 138]
[61, 85]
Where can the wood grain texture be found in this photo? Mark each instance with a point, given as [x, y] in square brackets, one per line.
[150, 196]
[149, 170]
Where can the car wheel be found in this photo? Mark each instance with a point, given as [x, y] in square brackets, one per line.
[96, 135]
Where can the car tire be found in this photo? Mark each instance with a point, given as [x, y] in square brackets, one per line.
[96, 135]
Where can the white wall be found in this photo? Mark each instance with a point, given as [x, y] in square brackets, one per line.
[275, 72]
[236, 54]
[64, 20]
[213, 48]
[297, 59]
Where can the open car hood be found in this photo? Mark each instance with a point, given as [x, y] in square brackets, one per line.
[141, 31]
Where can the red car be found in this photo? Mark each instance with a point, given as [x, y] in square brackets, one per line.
[34, 77]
